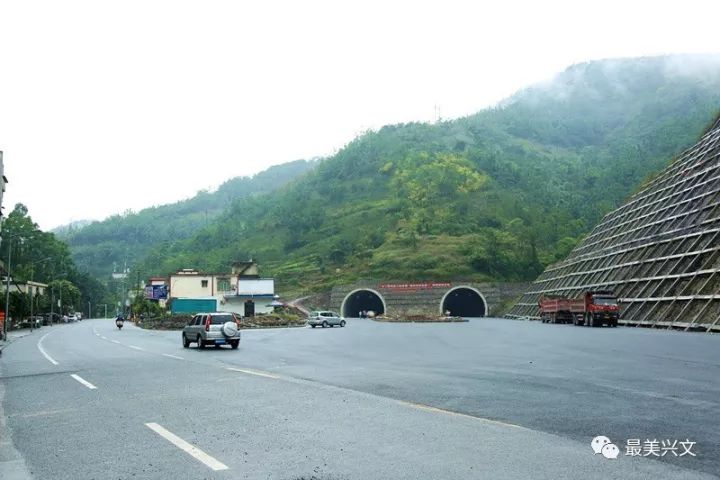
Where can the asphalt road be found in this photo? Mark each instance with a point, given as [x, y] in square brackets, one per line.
[486, 399]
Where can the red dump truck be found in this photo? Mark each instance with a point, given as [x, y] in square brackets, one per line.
[555, 309]
[595, 308]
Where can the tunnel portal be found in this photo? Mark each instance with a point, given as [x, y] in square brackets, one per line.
[464, 302]
[362, 300]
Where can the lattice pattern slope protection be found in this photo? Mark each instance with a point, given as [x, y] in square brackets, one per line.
[659, 252]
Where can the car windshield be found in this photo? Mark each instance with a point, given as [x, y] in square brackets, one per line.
[605, 300]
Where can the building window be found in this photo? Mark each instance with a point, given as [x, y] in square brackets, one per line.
[203, 283]
[223, 284]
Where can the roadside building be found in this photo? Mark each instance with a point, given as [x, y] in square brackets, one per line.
[33, 289]
[241, 291]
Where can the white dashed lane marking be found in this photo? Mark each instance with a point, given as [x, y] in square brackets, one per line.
[84, 382]
[188, 448]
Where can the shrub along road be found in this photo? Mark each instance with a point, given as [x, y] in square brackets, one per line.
[483, 399]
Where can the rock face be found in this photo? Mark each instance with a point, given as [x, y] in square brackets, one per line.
[659, 252]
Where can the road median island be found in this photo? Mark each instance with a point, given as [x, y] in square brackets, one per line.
[272, 320]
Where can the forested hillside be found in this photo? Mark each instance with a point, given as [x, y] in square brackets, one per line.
[125, 239]
[497, 195]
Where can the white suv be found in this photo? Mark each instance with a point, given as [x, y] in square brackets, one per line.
[325, 318]
[217, 328]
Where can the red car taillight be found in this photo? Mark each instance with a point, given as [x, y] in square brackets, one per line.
[207, 324]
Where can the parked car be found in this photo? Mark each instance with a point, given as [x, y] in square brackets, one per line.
[325, 318]
[214, 328]
[55, 318]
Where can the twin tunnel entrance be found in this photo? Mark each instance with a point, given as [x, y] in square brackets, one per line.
[459, 301]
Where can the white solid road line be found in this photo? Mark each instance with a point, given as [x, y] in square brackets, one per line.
[42, 350]
[134, 347]
[253, 372]
[428, 408]
[172, 356]
[84, 382]
[187, 447]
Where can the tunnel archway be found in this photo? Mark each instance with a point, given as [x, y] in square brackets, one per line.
[362, 299]
[464, 301]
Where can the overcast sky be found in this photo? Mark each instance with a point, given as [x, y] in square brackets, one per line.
[109, 106]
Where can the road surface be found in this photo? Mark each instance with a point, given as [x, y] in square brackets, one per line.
[485, 399]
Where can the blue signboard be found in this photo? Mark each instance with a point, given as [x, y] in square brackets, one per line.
[156, 292]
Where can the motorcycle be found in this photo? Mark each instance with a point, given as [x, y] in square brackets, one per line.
[119, 323]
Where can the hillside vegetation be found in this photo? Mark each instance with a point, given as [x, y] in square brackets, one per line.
[102, 246]
[493, 196]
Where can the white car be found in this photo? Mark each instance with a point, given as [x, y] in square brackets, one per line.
[325, 318]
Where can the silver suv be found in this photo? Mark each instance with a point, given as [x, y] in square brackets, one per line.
[216, 328]
[325, 318]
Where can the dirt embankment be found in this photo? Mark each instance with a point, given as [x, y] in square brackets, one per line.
[288, 318]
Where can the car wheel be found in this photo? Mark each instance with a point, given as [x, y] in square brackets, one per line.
[342, 323]
[200, 342]
[235, 344]
[186, 342]
[313, 326]
[325, 324]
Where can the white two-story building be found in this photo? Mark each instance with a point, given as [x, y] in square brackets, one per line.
[241, 291]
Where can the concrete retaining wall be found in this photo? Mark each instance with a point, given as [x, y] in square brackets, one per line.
[421, 301]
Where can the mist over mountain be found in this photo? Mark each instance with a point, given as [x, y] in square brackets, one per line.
[101, 247]
[493, 196]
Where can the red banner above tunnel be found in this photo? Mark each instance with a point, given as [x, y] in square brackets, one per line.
[414, 286]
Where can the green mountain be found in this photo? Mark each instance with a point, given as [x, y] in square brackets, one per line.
[494, 196]
[101, 246]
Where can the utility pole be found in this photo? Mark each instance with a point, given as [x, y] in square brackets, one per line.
[89, 311]
[52, 303]
[31, 305]
[7, 291]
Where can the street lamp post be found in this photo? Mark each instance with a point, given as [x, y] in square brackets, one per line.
[7, 292]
